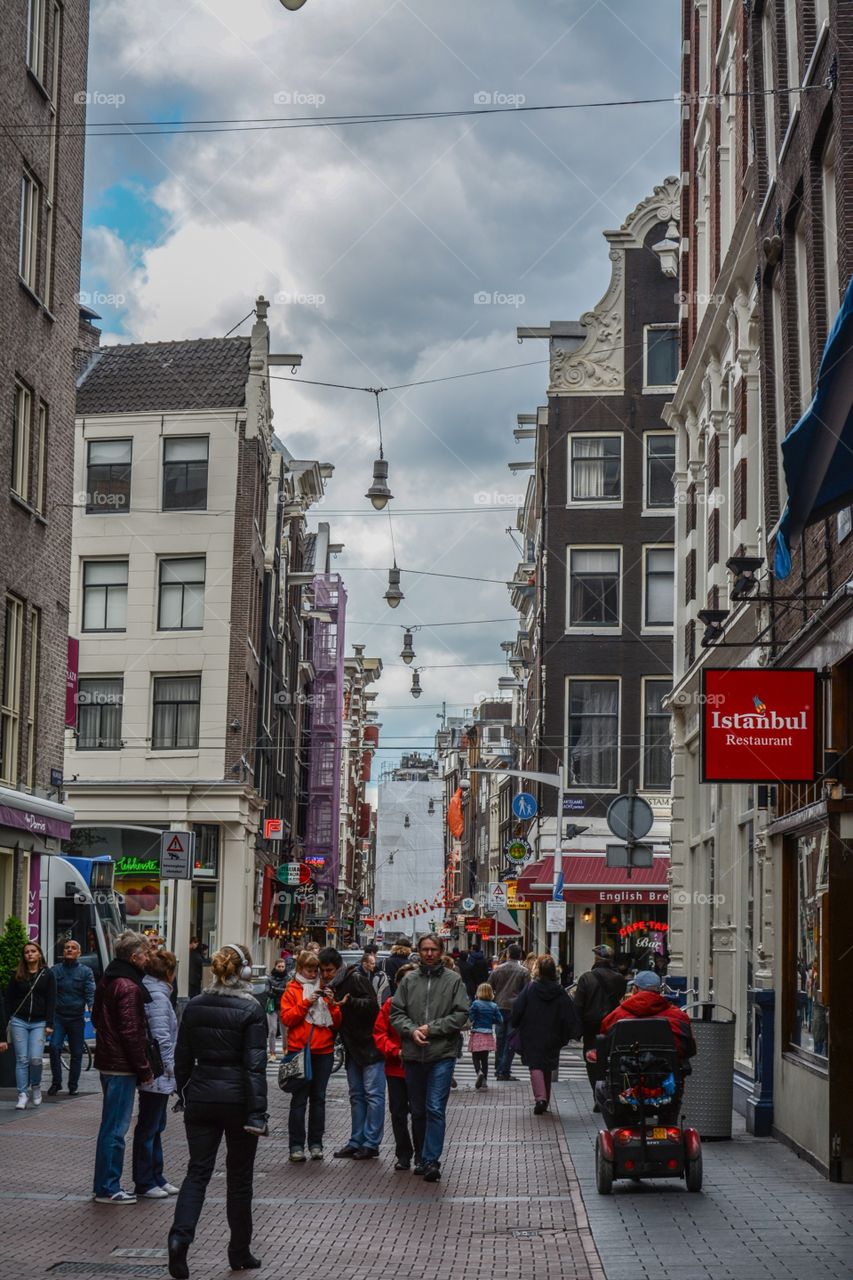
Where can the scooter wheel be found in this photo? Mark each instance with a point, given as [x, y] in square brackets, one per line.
[693, 1173]
[603, 1171]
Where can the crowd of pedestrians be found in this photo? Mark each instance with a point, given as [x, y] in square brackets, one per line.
[400, 1024]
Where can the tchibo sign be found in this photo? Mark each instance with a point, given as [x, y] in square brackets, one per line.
[759, 725]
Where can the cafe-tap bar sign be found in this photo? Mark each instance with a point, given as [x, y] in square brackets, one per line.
[759, 725]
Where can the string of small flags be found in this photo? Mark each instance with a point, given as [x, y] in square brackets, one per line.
[416, 908]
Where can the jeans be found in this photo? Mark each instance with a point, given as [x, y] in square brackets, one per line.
[72, 1027]
[398, 1105]
[147, 1143]
[428, 1084]
[311, 1091]
[205, 1128]
[28, 1043]
[503, 1053]
[119, 1093]
[272, 1031]
[367, 1103]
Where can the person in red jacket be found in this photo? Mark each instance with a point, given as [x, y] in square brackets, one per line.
[644, 1000]
[311, 1014]
[387, 1042]
[118, 1016]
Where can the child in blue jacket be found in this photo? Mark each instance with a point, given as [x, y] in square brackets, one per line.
[484, 1015]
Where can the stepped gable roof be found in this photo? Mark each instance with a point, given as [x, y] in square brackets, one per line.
[164, 377]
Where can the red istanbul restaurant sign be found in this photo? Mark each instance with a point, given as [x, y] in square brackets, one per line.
[759, 725]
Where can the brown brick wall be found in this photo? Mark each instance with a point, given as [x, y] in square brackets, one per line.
[38, 346]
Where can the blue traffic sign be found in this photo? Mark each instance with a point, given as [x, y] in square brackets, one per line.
[524, 805]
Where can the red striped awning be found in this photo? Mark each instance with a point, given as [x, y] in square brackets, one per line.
[587, 878]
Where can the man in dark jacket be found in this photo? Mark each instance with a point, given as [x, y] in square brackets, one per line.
[75, 993]
[118, 1017]
[353, 992]
[598, 993]
[401, 953]
[474, 971]
[508, 981]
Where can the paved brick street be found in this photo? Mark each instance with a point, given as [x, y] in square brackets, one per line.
[506, 1172]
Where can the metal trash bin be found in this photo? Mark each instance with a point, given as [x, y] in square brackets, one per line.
[709, 1090]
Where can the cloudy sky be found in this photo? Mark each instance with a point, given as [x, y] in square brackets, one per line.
[377, 245]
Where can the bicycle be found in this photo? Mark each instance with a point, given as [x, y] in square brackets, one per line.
[337, 1055]
[65, 1056]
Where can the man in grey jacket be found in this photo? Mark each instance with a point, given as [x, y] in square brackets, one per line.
[428, 1011]
[508, 980]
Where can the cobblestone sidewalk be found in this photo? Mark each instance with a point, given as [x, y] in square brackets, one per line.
[506, 1208]
[763, 1214]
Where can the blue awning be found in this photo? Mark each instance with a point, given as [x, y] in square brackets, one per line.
[818, 454]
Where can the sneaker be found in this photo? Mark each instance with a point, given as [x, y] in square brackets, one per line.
[271, 1057]
[170, 1189]
[403, 1165]
[540, 1107]
[432, 1171]
[54, 1090]
[36, 1097]
[480, 1081]
[72, 1093]
[419, 1168]
[120, 1197]
[23, 1099]
[155, 1193]
[315, 1152]
[297, 1155]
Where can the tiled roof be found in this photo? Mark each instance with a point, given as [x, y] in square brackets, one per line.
[163, 377]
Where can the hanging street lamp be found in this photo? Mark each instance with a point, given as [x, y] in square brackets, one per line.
[394, 595]
[379, 493]
[407, 652]
[416, 689]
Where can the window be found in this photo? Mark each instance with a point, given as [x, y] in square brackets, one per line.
[811, 943]
[40, 486]
[792, 49]
[594, 587]
[21, 443]
[35, 37]
[844, 523]
[206, 849]
[33, 693]
[108, 476]
[803, 344]
[29, 232]
[661, 355]
[830, 233]
[656, 749]
[768, 59]
[11, 688]
[593, 733]
[176, 712]
[99, 703]
[660, 587]
[181, 595]
[596, 468]
[105, 595]
[185, 473]
[660, 469]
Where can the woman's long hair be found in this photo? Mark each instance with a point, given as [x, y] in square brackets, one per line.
[22, 973]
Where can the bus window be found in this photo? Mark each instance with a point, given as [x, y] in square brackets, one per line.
[71, 919]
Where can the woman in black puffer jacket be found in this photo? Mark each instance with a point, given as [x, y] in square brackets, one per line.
[220, 1075]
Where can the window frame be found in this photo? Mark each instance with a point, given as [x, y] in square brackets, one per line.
[108, 508]
[155, 702]
[608, 503]
[28, 232]
[655, 388]
[171, 560]
[35, 53]
[42, 425]
[646, 681]
[596, 787]
[657, 628]
[11, 688]
[32, 692]
[95, 743]
[22, 435]
[599, 628]
[107, 587]
[649, 507]
[167, 440]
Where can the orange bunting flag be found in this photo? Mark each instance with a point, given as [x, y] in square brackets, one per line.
[455, 818]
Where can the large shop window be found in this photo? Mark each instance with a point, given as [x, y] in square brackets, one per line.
[176, 713]
[594, 587]
[811, 981]
[185, 473]
[596, 468]
[593, 733]
[99, 714]
[657, 760]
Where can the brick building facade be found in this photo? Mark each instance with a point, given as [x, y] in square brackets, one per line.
[42, 88]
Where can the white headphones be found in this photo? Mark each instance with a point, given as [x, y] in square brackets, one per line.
[246, 971]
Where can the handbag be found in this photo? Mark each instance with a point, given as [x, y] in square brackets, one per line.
[154, 1056]
[295, 1067]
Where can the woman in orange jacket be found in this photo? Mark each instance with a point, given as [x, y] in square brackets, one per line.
[387, 1041]
[312, 1015]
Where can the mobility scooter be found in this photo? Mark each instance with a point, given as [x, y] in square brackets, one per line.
[640, 1083]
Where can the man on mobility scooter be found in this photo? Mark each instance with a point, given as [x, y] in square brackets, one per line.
[641, 1059]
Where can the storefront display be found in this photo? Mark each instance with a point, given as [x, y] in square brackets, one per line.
[637, 934]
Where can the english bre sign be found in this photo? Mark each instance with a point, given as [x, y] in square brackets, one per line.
[759, 725]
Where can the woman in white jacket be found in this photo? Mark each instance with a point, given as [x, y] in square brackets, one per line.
[154, 1097]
